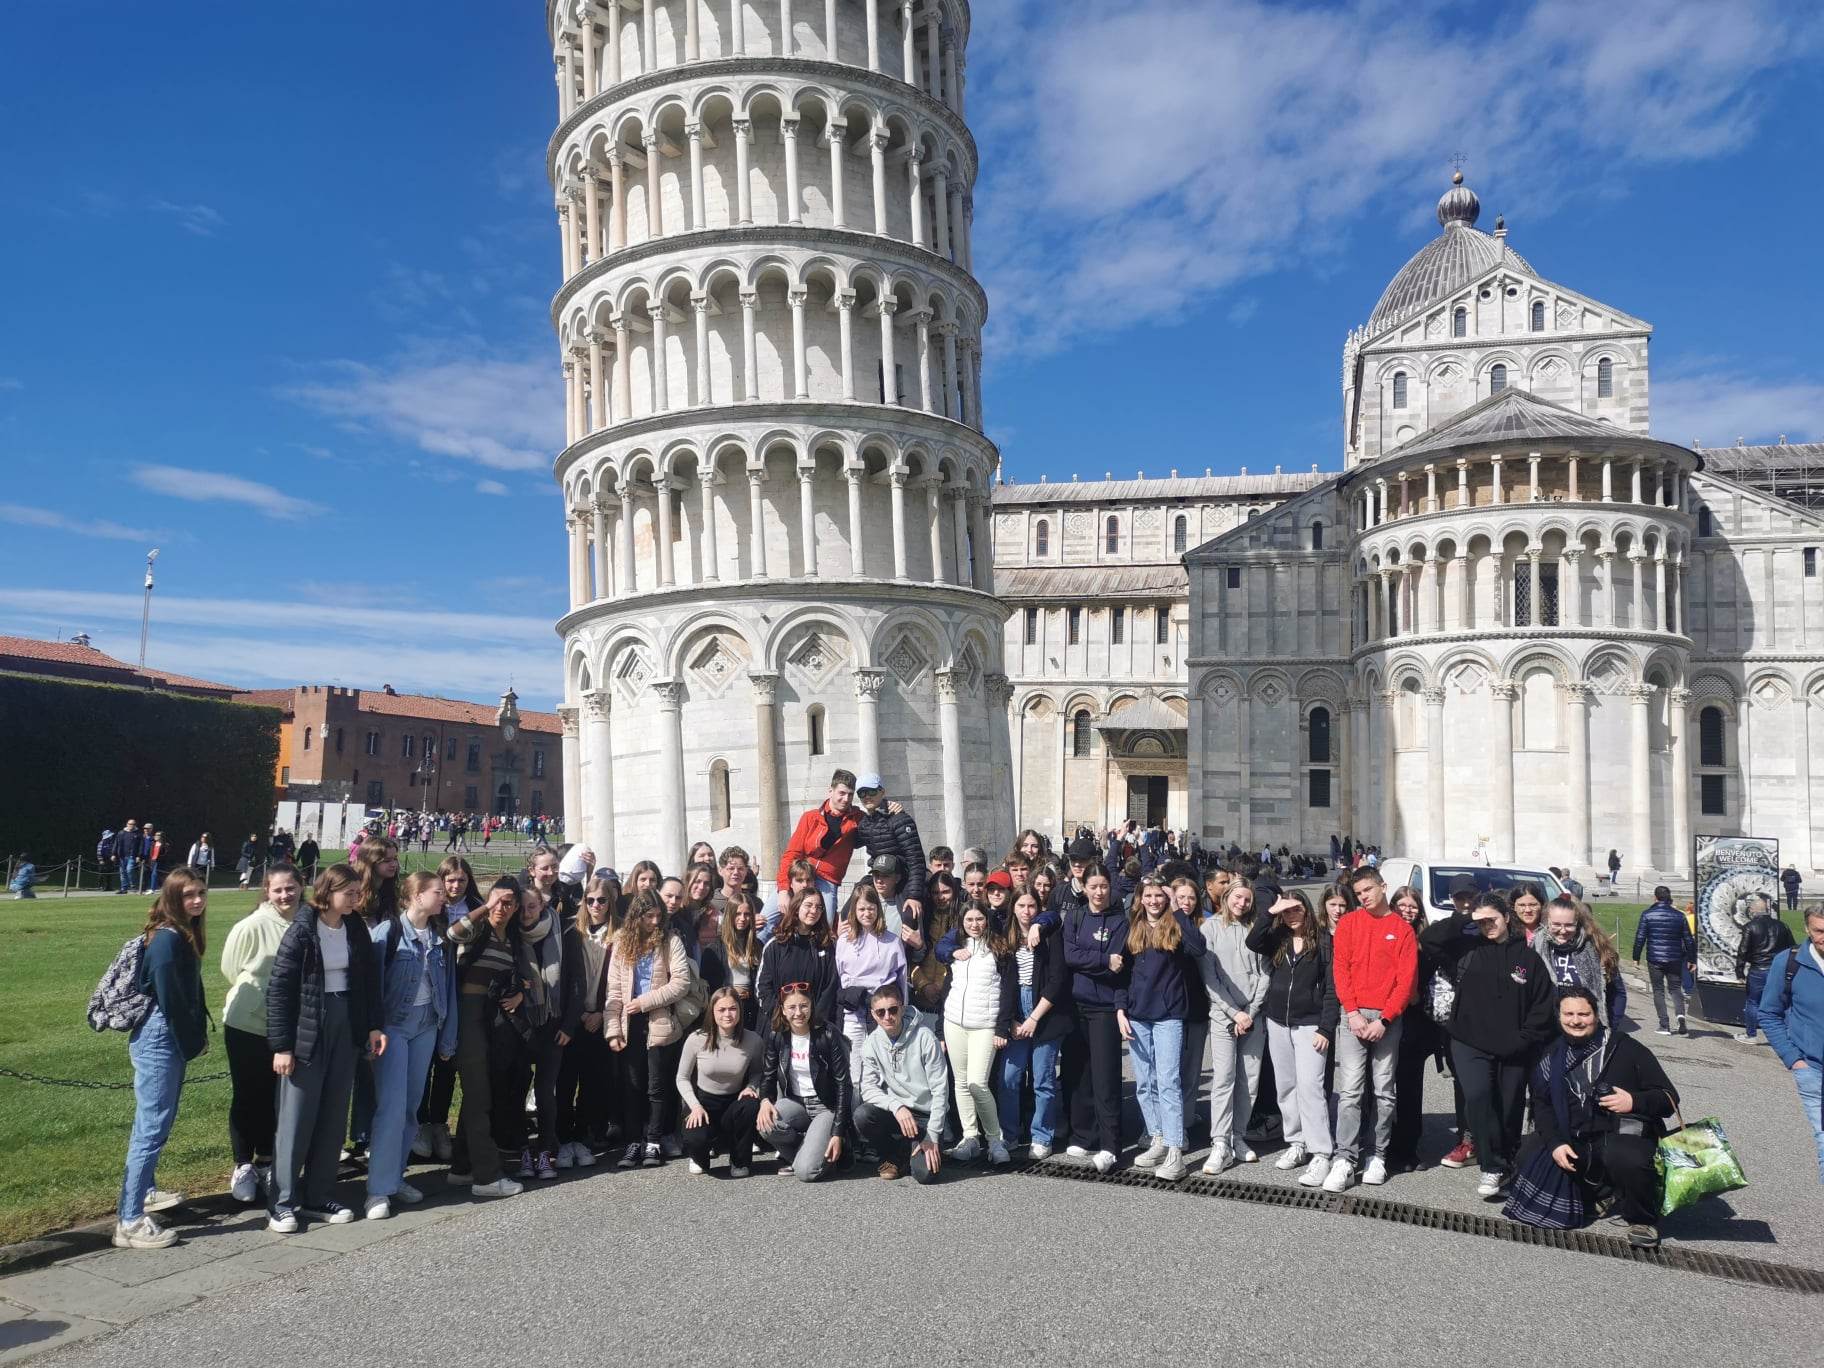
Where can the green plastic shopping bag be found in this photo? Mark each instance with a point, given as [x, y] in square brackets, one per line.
[1697, 1161]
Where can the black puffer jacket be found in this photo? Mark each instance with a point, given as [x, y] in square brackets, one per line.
[888, 833]
[294, 995]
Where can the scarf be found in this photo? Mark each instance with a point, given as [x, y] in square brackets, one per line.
[1577, 963]
[546, 957]
[1570, 1070]
[594, 944]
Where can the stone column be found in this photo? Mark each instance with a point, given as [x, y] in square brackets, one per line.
[1462, 585]
[1605, 587]
[1680, 709]
[952, 86]
[836, 134]
[617, 192]
[829, 29]
[737, 40]
[1608, 480]
[570, 421]
[953, 223]
[923, 319]
[1573, 490]
[661, 381]
[788, 130]
[1640, 757]
[1390, 742]
[744, 190]
[981, 562]
[888, 379]
[934, 527]
[897, 479]
[611, 53]
[934, 78]
[655, 204]
[624, 545]
[649, 39]
[1532, 477]
[1535, 616]
[807, 517]
[1504, 693]
[915, 189]
[706, 483]
[1431, 488]
[1343, 761]
[868, 684]
[567, 82]
[623, 368]
[565, 238]
[949, 728]
[598, 383]
[953, 393]
[573, 770]
[750, 310]
[700, 305]
[1570, 588]
[959, 526]
[769, 766]
[1577, 705]
[1659, 594]
[845, 326]
[1637, 614]
[940, 210]
[877, 151]
[1434, 771]
[756, 516]
[694, 131]
[873, 19]
[693, 50]
[598, 516]
[801, 388]
[669, 694]
[857, 562]
[1634, 490]
[908, 56]
[662, 488]
[1498, 495]
[597, 806]
[592, 216]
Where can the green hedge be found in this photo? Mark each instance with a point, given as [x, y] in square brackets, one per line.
[77, 757]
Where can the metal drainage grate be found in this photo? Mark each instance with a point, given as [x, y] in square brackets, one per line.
[1757, 1272]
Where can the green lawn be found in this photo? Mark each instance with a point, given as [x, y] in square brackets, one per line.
[65, 1147]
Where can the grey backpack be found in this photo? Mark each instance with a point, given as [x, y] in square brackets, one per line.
[118, 1003]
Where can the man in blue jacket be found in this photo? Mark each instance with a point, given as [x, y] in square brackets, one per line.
[1792, 1015]
[1671, 949]
[126, 856]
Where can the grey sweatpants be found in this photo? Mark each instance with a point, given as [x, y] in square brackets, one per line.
[1354, 1062]
[1234, 1075]
[313, 1115]
[803, 1136]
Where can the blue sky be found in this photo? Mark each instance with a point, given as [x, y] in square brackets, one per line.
[277, 279]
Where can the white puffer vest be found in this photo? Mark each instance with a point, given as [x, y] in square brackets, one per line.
[975, 988]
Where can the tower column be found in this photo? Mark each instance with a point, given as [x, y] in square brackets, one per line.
[768, 766]
[868, 684]
[1639, 759]
[1577, 702]
[598, 806]
[1680, 709]
[956, 823]
[1504, 693]
[573, 769]
[669, 694]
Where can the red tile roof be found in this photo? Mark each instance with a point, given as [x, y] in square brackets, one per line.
[452, 710]
[70, 653]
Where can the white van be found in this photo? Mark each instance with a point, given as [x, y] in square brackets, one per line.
[1434, 880]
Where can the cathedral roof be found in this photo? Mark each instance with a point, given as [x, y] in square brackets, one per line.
[1091, 581]
[1055, 492]
[1514, 417]
[1448, 262]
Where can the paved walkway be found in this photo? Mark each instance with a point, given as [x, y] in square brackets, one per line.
[1000, 1265]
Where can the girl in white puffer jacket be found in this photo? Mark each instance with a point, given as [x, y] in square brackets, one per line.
[978, 1019]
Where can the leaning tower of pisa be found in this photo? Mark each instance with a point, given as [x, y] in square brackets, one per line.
[775, 476]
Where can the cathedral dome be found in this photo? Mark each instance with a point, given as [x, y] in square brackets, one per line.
[1456, 256]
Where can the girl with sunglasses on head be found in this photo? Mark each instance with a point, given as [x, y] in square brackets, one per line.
[806, 1091]
[719, 1075]
[583, 1075]
[801, 951]
[490, 988]
[648, 973]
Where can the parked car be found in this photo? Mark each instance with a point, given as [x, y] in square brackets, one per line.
[1434, 880]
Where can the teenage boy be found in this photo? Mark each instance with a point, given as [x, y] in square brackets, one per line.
[1375, 961]
[826, 837]
[905, 1089]
[886, 828]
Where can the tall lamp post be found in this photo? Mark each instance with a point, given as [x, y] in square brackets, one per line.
[145, 613]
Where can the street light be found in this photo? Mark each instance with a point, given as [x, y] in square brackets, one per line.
[145, 613]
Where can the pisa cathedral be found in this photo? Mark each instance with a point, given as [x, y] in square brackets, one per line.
[1514, 622]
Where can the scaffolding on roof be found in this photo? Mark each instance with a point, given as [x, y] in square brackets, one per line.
[1788, 470]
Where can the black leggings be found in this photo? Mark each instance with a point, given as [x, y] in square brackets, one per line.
[732, 1123]
[1418, 1043]
[1494, 1102]
[439, 1092]
[253, 1112]
[583, 1090]
[1095, 1080]
[649, 1092]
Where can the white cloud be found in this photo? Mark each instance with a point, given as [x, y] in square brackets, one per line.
[1148, 153]
[208, 486]
[1716, 406]
[23, 515]
[200, 219]
[10, 383]
[495, 412]
[490, 487]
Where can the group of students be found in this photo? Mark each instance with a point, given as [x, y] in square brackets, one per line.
[928, 1016]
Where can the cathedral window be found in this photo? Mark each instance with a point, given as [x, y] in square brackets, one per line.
[1180, 534]
[1117, 625]
[1032, 626]
[1714, 794]
[1538, 320]
[719, 796]
[1318, 731]
[1459, 322]
[1041, 538]
[1706, 523]
[1605, 379]
[1111, 535]
[1317, 536]
[1399, 389]
[1811, 562]
[1234, 577]
[1497, 378]
[1073, 618]
[1162, 626]
[1711, 750]
[814, 724]
[1079, 733]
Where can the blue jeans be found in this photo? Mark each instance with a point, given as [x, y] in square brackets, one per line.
[1156, 1048]
[129, 866]
[1810, 1083]
[1018, 1058]
[158, 1078]
[399, 1076]
[770, 911]
[1751, 1005]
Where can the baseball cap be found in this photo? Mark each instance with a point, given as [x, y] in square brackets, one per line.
[1000, 879]
[869, 782]
[1463, 883]
[884, 863]
[1266, 894]
[1082, 849]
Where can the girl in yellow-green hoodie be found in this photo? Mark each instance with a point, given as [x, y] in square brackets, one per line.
[247, 958]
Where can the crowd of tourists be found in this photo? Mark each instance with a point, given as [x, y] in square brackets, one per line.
[949, 1008]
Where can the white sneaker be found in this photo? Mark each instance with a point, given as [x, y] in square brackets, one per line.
[1038, 1151]
[1745, 1038]
[566, 1155]
[408, 1194]
[157, 1199]
[1291, 1159]
[283, 1222]
[145, 1233]
[378, 1209]
[695, 1168]
[1246, 1156]
[1491, 1184]
[1342, 1176]
[1076, 1151]
[1171, 1168]
[968, 1151]
[1218, 1160]
[737, 1171]
[1315, 1172]
[1104, 1161]
[500, 1187]
[423, 1147]
[1662, 1030]
[245, 1186]
[1376, 1172]
[997, 1153]
[1151, 1155]
[584, 1156]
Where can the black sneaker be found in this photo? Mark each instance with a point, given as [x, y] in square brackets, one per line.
[653, 1157]
[330, 1213]
[1643, 1237]
[630, 1157]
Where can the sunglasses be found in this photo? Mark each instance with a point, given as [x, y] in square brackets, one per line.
[595, 902]
[791, 988]
[883, 1013]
